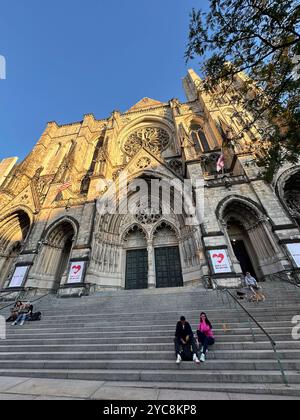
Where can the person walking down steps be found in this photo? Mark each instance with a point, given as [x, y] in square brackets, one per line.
[184, 338]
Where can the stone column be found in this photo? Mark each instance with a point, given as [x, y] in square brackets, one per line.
[151, 265]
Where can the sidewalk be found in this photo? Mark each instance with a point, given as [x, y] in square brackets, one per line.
[12, 388]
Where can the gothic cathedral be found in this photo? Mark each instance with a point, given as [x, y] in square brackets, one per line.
[53, 238]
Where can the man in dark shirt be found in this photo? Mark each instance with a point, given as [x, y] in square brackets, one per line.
[184, 336]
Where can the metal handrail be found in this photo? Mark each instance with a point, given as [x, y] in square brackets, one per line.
[6, 294]
[286, 280]
[33, 301]
[273, 343]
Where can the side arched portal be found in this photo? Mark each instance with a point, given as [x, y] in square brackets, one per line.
[249, 236]
[14, 230]
[52, 263]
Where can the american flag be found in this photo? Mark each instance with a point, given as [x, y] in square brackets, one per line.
[64, 186]
[220, 163]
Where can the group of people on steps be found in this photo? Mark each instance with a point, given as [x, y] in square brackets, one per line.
[21, 312]
[186, 342]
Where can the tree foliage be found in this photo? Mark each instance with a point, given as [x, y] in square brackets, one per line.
[261, 38]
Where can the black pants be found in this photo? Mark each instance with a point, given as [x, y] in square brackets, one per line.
[205, 341]
[178, 344]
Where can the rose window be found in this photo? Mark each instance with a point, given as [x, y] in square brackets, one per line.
[154, 139]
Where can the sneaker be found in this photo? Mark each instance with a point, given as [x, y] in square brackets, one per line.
[202, 358]
[14, 323]
[22, 323]
[178, 359]
[195, 359]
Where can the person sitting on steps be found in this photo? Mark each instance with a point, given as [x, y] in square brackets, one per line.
[205, 335]
[24, 313]
[14, 312]
[184, 337]
[251, 283]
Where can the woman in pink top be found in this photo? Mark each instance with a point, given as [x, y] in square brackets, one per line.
[205, 335]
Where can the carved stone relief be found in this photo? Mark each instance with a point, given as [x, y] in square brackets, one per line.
[155, 139]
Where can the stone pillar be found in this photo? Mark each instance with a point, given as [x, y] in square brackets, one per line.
[151, 265]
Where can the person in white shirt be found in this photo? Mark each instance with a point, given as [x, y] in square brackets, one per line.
[253, 286]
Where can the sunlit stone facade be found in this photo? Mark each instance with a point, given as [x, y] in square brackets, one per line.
[50, 225]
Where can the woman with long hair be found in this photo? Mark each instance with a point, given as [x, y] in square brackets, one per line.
[205, 335]
[14, 312]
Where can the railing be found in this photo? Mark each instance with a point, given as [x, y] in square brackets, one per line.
[251, 317]
[18, 298]
[281, 276]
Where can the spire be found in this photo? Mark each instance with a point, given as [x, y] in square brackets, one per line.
[191, 84]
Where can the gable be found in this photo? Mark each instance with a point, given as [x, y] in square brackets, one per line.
[146, 103]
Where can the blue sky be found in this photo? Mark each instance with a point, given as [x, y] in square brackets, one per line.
[67, 58]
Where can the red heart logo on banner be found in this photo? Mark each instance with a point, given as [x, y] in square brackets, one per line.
[220, 257]
[76, 268]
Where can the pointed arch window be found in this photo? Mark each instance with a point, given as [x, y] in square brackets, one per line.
[85, 182]
[199, 138]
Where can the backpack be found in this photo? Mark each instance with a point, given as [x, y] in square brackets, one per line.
[36, 316]
[186, 353]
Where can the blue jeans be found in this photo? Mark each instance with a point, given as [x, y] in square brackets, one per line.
[21, 318]
[205, 341]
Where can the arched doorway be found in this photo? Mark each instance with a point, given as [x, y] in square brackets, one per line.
[135, 245]
[14, 230]
[243, 248]
[249, 237]
[53, 262]
[291, 196]
[167, 257]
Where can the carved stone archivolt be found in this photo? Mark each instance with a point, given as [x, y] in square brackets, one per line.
[155, 139]
[143, 163]
[148, 217]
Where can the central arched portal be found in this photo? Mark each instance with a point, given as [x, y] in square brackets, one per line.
[167, 257]
[136, 259]
[159, 256]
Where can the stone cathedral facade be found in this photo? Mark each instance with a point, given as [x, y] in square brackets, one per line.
[50, 229]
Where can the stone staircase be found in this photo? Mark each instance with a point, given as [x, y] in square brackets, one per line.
[127, 336]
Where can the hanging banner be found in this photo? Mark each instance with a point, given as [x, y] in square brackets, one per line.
[19, 276]
[294, 250]
[76, 272]
[220, 261]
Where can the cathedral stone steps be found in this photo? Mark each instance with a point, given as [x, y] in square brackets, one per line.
[133, 339]
[252, 355]
[154, 365]
[128, 336]
[238, 346]
[178, 375]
